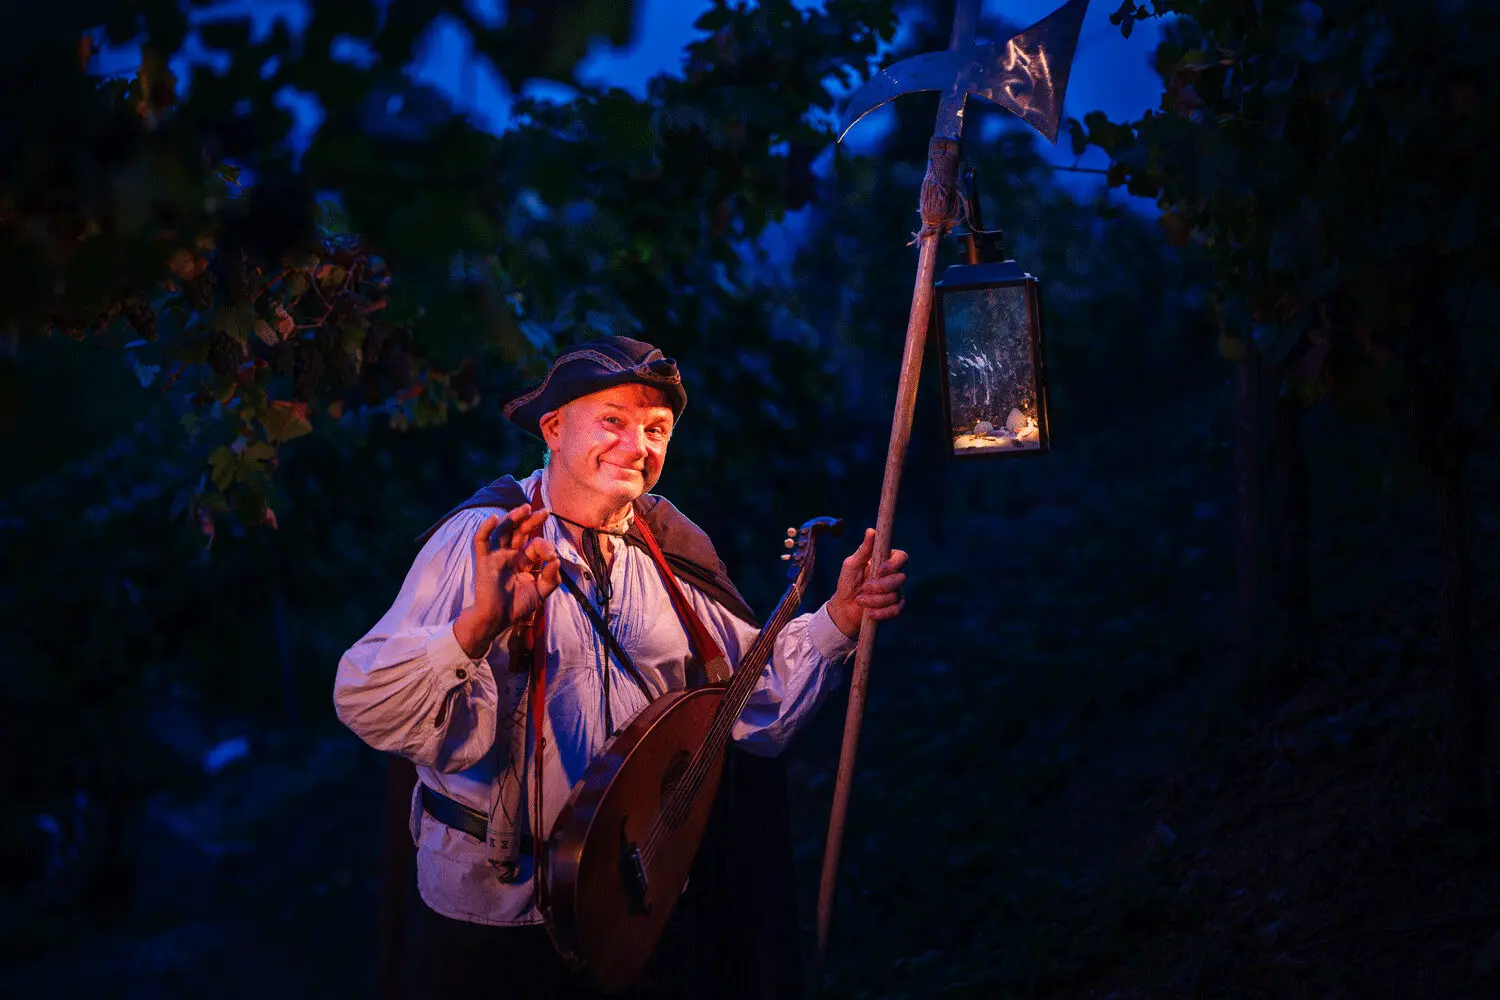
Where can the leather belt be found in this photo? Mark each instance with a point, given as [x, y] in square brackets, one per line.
[463, 819]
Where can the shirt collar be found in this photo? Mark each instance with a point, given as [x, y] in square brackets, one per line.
[539, 479]
[553, 530]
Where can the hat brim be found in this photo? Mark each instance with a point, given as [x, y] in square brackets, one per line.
[591, 368]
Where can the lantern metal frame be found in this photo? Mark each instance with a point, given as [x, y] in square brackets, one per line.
[975, 277]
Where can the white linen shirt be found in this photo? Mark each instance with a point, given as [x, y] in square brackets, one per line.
[408, 688]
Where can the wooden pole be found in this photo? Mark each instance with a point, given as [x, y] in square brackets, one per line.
[942, 165]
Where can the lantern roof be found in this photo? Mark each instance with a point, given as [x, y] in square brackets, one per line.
[1002, 272]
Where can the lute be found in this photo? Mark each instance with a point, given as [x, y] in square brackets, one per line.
[624, 843]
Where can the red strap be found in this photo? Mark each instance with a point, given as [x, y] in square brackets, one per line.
[712, 657]
[538, 713]
[537, 638]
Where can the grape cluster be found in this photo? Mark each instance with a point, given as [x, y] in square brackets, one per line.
[200, 290]
[142, 318]
[224, 355]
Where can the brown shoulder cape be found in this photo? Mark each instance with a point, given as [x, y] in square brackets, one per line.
[734, 935]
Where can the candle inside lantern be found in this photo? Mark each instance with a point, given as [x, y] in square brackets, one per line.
[1018, 432]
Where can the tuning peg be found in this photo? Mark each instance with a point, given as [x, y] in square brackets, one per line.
[786, 557]
[789, 543]
[791, 532]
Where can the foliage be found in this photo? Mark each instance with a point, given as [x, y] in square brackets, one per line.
[316, 289]
[133, 652]
[1330, 160]
[122, 205]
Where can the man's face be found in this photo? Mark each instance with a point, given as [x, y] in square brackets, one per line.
[612, 443]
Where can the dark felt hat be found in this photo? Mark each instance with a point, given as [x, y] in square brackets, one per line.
[591, 367]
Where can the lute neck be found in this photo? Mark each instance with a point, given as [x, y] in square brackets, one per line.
[710, 753]
[747, 674]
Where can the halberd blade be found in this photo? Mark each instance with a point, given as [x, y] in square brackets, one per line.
[939, 71]
[1028, 74]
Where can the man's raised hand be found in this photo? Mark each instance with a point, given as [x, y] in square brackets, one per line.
[515, 568]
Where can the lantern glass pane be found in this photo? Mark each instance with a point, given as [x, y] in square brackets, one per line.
[992, 404]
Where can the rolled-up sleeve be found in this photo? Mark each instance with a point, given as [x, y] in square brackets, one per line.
[408, 687]
[804, 667]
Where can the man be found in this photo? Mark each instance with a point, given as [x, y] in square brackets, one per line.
[442, 679]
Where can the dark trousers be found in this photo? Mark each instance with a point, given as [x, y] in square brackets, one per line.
[455, 958]
[733, 935]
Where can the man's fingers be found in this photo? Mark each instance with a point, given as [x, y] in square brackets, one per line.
[887, 584]
[879, 588]
[860, 557]
[482, 536]
[529, 528]
[507, 524]
[539, 551]
[542, 560]
[519, 526]
[866, 544]
[551, 576]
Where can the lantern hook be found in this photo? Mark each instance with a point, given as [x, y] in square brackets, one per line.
[980, 245]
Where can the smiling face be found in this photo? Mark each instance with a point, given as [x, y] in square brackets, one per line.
[608, 447]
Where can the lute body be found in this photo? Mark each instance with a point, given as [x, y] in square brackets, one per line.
[625, 841]
[610, 893]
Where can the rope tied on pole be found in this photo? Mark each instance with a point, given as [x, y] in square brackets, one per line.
[939, 204]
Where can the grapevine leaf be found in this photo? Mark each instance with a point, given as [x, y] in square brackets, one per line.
[236, 322]
[332, 276]
[284, 420]
[222, 466]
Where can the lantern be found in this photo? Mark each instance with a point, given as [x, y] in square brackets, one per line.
[988, 321]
